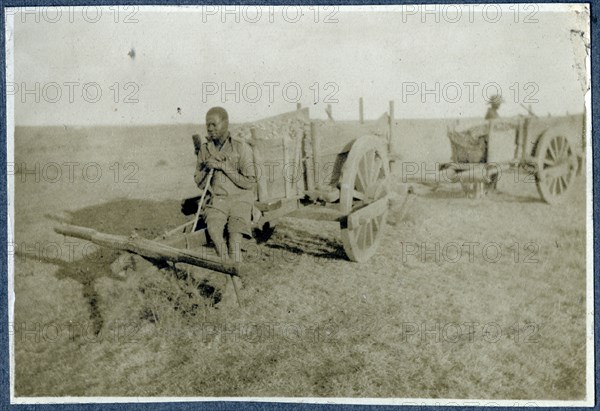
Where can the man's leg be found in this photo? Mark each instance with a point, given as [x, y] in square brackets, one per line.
[237, 226]
[215, 222]
[235, 249]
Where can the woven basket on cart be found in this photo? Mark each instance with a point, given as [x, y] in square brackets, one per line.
[470, 145]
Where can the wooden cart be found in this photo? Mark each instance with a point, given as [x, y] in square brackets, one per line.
[548, 150]
[341, 175]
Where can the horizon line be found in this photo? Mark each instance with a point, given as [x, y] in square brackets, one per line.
[549, 115]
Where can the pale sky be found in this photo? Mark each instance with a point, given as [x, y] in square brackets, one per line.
[183, 54]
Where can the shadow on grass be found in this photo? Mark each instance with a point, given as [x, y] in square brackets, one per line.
[85, 272]
[124, 216]
[503, 196]
[305, 242]
[506, 197]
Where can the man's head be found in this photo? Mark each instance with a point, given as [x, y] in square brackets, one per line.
[495, 101]
[217, 123]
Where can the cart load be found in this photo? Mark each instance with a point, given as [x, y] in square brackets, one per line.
[470, 145]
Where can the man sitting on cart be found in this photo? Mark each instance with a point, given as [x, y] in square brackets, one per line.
[231, 184]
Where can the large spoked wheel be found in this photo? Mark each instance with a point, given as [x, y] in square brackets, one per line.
[556, 167]
[364, 197]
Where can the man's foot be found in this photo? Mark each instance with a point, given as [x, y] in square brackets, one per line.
[222, 251]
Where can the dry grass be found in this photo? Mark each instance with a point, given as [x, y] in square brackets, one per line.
[313, 323]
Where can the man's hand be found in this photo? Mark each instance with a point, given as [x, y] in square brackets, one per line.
[219, 156]
[215, 164]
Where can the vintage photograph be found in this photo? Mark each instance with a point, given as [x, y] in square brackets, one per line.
[318, 204]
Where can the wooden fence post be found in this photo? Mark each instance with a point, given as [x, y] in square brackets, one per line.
[315, 143]
[391, 125]
[361, 114]
[286, 162]
[329, 112]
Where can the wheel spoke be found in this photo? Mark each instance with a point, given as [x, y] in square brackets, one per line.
[557, 147]
[376, 225]
[556, 186]
[563, 148]
[361, 237]
[561, 185]
[360, 183]
[380, 191]
[369, 158]
[552, 149]
[563, 180]
[372, 157]
[377, 166]
[550, 185]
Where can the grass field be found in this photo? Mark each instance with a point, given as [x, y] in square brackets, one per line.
[464, 299]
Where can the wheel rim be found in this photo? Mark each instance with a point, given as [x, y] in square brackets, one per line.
[364, 176]
[556, 168]
[363, 182]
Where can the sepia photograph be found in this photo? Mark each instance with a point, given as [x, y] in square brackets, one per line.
[318, 204]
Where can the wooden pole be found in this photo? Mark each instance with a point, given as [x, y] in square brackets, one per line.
[297, 163]
[361, 114]
[316, 145]
[286, 162]
[201, 202]
[391, 125]
[308, 163]
[235, 289]
[261, 183]
[329, 112]
[150, 249]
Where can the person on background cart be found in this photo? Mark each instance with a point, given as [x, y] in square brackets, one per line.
[494, 103]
